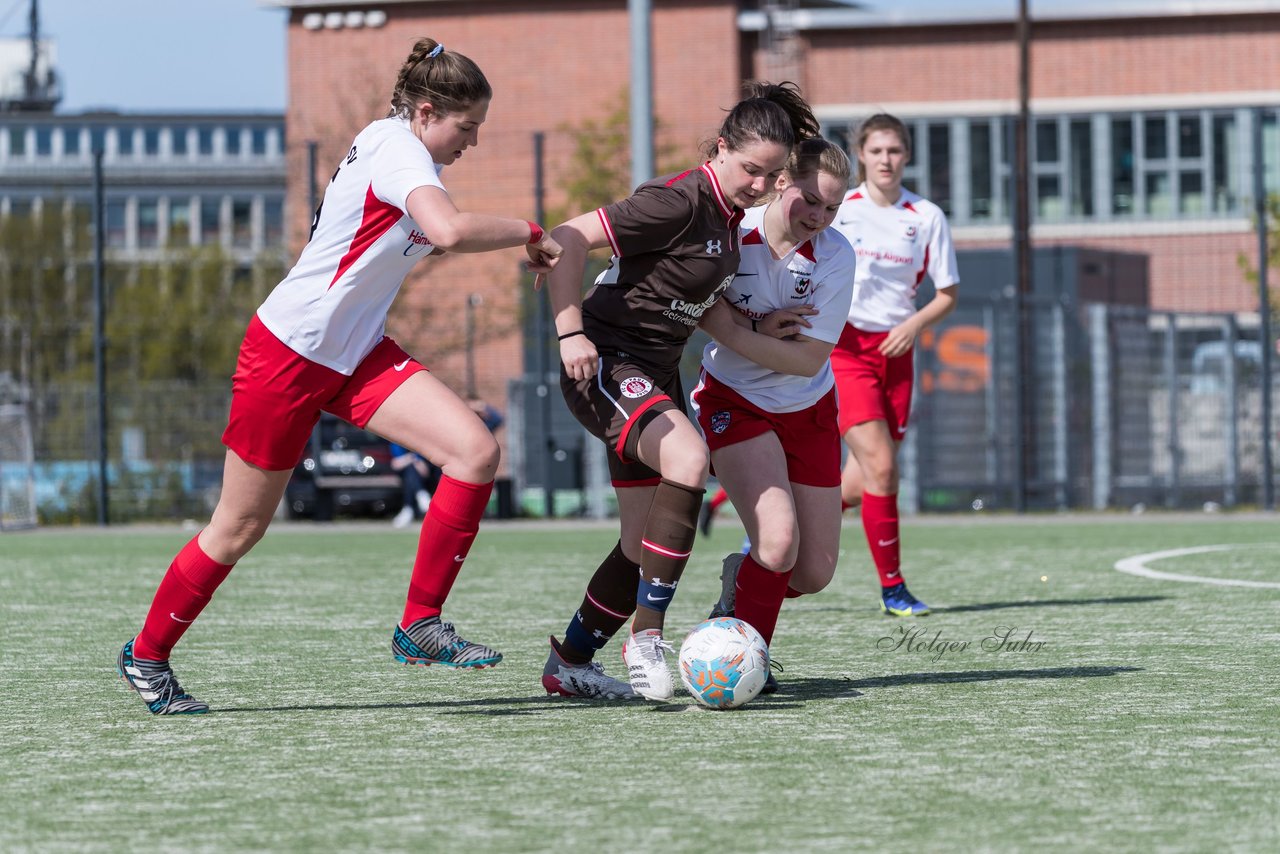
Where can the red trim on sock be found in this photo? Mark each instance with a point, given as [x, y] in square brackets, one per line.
[880, 524]
[452, 521]
[719, 498]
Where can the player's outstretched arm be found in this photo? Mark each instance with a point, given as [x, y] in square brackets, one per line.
[457, 231]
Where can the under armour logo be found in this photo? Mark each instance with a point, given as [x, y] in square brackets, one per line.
[713, 247]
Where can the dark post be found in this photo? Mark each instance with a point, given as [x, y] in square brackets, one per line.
[1264, 309]
[99, 330]
[473, 302]
[1022, 255]
[313, 191]
[544, 335]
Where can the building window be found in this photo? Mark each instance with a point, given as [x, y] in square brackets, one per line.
[1158, 194]
[71, 141]
[1080, 166]
[1168, 164]
[124, 142]
[148, 223]
[1155, 138]
[97, 139]
[151, 141]
[1046, 142]
[981, 189]
[178, 141]
[115, 225]
[1225, 141]
[233, 142]
[273, 222]
[1122, 166]
[258, 141]
[241, 223]
[17, 142]
[204, 141]
[44, 141]
[940, 165]
[179, 222]
[210, 220]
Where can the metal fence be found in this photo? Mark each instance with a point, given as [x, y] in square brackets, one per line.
[1130, 408]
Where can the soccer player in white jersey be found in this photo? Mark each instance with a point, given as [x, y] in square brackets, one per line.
[317, 343]
[770, 418]
[899, 237]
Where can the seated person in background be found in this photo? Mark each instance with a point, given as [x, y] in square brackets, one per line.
[418, 478]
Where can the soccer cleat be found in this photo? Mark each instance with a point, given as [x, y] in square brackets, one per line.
[647, 665]
[404, 518]
[705, 516]
[429, 641]
[728, 585]
[897, 601]
[156, 685]
[771, 684]
[582, 680]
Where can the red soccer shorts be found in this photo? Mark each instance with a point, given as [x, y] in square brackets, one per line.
[809, 436]
[277, 395]
[872, 387]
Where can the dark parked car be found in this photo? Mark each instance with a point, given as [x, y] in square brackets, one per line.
[345, 470]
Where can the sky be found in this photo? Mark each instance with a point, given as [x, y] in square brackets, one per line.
[229, 55]
[165, 55]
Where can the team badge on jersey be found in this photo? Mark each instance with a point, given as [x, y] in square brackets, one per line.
[911, 232]
[635, 387]
[720, 421]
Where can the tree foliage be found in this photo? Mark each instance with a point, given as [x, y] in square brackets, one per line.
[1250, 270]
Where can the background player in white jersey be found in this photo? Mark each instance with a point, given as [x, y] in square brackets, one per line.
[317, 343]
[770, 419]
[899, 237]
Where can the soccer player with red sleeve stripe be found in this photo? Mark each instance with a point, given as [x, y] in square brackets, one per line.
[317, 343]
[675, 248]
[899, 237]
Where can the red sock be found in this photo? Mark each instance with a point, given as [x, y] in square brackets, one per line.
[845, 505]
[184, 591]
[719, 498]
[880, 524]
[447, 533]
[759, 597]
[793, 593]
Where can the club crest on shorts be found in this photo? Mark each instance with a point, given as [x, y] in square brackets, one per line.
[634, 387]
[720, 421]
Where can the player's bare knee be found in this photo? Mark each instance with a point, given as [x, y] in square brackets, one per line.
[776, 552]
[688, 466]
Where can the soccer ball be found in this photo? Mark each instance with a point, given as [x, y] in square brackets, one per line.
[724, 663]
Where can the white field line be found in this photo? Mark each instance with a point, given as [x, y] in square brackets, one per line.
[1137, 565]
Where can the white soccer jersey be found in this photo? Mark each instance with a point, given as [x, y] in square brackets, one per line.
[818, 272]
[332, 306]
[896, 246]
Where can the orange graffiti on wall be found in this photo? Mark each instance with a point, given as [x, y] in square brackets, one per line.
[960, 353]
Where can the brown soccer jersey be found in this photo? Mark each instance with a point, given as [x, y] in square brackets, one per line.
[675, 246]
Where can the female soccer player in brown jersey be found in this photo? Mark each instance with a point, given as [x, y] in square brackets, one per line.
[675, 248]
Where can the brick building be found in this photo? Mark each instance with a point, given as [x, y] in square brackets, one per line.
[1141, 119]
